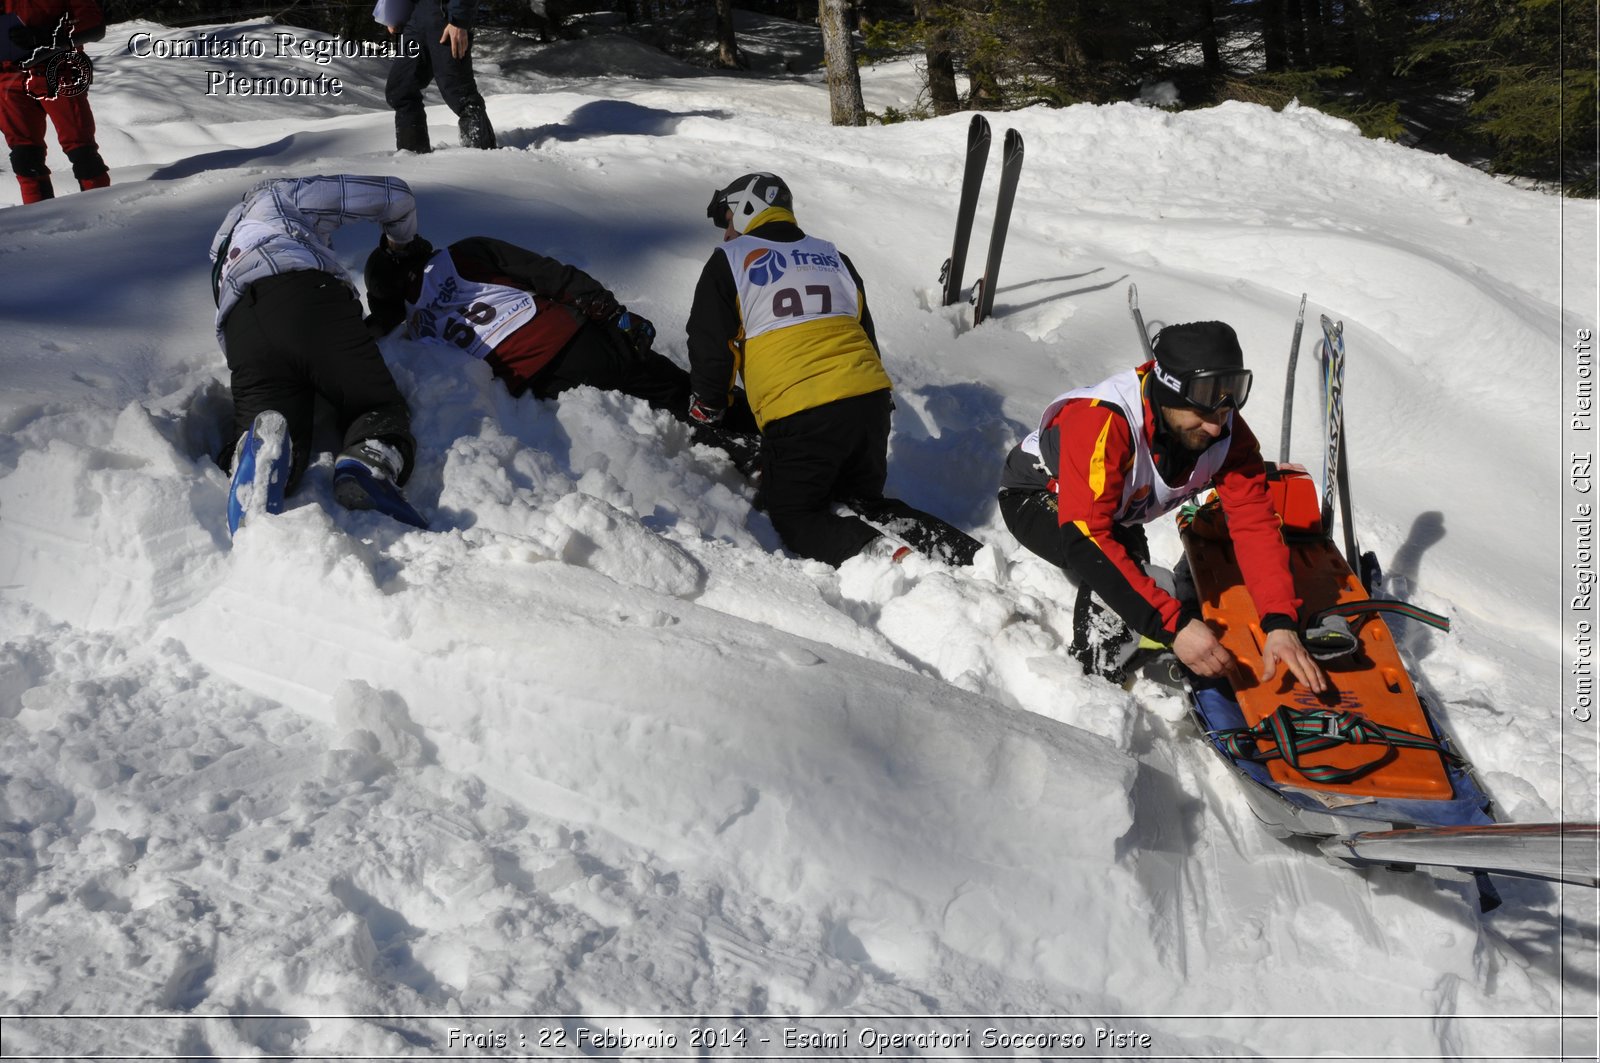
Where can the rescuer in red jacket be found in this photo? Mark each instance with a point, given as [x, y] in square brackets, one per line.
[44, 74]
[1108, 459]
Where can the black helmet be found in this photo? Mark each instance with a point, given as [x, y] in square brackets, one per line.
[747, 197]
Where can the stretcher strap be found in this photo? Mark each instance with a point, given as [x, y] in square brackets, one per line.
[1293, 733]
[1380, 605]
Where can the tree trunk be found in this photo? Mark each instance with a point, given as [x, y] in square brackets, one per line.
[728, 55]
[941, 63]
[1319, 31]
[845, 105]
[1210, 53]
[1294, 29]
[1372, 61]
[1274, 41]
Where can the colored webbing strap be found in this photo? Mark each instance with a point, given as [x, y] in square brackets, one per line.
[1297, 732]
[1380, 605]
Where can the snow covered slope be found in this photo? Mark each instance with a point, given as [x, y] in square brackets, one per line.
[591, 746]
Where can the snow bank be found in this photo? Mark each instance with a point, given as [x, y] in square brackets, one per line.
[590, 744]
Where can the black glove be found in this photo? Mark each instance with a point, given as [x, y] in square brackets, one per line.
[700, 413]
[596, 306]
[418, 250]
[387, 277]
[638, 330]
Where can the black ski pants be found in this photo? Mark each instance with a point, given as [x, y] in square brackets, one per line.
[409, 77]
[836, 452]
[1101, 640]
[601, 357]
[298, 335]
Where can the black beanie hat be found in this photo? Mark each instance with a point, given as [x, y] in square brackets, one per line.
[1182, 349]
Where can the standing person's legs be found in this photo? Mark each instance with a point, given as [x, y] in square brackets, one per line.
[457, 83]
[22, 121]
[74, 123]
[409, 75]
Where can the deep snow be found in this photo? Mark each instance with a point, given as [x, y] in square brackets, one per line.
[592, 746]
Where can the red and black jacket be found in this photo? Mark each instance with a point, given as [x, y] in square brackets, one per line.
[44, 18]
[555, 287]
[1091, 442]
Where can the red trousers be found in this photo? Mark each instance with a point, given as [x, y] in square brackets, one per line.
[22, 119]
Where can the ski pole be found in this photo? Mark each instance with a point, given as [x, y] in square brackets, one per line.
[1138, 320]
[1288, 387]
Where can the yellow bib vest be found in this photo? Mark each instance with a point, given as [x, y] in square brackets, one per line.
[801, 340]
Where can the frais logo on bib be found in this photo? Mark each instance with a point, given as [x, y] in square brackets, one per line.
[811, 258]
[764, 265]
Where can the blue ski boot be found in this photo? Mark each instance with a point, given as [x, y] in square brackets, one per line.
[260, 469]
[364, 478]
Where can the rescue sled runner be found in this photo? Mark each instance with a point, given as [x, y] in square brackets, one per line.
[1365, 766]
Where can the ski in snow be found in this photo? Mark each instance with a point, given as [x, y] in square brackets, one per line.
[1336, 457]
[1330, 353]
[971, 179]
[1138, 321]
[1010, 171]
[1288, 387]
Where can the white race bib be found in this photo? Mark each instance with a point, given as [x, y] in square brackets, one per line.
[470, 315]
[783, 284]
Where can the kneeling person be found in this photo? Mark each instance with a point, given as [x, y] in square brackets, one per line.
[289, 324]
[1108, 459]
[786, 312]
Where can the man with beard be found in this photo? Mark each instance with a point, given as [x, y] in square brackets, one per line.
[1108, 459]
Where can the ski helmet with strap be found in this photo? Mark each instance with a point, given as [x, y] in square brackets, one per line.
[746, 198]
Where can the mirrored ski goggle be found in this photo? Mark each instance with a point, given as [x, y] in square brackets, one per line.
[718, 210]
[1212, 389]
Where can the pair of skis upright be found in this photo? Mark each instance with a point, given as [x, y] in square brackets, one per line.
[971, 178]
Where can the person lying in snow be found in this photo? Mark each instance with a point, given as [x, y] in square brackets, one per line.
[1108, 459]
[542, 326]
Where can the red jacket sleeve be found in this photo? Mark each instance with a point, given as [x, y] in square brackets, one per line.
[1095, 455]
[1255, 529]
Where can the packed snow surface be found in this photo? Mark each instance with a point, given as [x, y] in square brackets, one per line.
[592, 746]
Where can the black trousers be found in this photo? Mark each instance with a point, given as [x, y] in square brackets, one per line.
[836, 452]
[601, 357]
[299, 335]
[410, 75]
[1101, 640]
